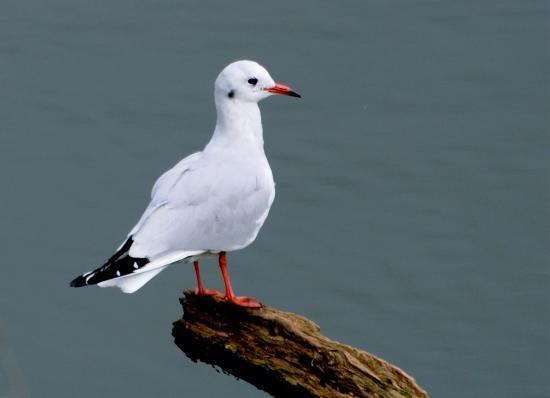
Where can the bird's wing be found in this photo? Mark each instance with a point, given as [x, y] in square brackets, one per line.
[162, 187]
[134, 264]
[169, 179]
[208, 205]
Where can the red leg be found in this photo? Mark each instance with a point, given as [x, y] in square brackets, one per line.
[200, 289]
[229, 295]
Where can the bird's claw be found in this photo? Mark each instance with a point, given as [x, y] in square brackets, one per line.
[243, 301]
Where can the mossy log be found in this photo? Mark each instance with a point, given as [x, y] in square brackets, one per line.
[282, 353]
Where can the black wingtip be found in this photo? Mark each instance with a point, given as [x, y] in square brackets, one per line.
[120, 264]
[78, 282]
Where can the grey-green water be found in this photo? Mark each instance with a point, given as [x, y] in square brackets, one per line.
[411, 216]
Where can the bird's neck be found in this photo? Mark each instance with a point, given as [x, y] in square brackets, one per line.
[238, 123]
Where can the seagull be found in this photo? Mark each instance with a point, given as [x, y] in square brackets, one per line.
[211, 202]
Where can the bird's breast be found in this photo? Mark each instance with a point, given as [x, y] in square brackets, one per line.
[243, 201]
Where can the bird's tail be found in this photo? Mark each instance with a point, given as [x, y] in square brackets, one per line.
[129, 273]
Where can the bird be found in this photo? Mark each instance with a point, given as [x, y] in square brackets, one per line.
[210, 203]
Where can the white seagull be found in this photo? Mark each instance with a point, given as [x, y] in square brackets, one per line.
[211, 202]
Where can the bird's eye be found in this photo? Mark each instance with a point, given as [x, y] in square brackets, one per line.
[253, 81]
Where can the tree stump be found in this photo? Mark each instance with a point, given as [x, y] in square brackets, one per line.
[282, 353]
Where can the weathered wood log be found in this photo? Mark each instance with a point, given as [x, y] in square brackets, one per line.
[282, 353]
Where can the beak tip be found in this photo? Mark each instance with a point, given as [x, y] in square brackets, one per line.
[283, 90]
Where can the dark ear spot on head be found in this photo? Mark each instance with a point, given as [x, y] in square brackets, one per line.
[231, 94]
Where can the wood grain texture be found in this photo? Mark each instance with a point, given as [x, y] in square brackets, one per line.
[282, 353]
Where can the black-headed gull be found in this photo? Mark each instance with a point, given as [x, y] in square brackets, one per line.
[211, 202]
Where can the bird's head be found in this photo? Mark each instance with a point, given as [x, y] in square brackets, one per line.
[248, 81]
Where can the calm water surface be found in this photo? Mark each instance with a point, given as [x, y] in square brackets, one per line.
[411, 217]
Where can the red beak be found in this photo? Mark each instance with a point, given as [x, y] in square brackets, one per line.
[283, 90]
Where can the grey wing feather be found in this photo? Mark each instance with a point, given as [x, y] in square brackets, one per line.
[162, 187]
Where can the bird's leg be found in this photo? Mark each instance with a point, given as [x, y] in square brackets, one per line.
[229, 295]
[200, 289]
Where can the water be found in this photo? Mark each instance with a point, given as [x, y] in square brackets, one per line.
[411, 216]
